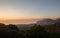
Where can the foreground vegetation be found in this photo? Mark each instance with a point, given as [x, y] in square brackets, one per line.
[37, 31]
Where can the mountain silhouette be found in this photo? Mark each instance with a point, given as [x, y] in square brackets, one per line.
[47, 21]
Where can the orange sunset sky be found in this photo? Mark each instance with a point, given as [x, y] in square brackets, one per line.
[28, 11]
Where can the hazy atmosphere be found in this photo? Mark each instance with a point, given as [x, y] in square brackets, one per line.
[28, 11]
[29, 18]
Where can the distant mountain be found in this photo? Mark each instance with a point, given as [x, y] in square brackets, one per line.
[45, 21]
[48, 21]
[58, 20]
[50, 24]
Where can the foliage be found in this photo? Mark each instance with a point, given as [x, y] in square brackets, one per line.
[36, 31]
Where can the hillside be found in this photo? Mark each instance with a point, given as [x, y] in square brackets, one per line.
[47, 21]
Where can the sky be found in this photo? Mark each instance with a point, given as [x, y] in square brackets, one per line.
[28, 10]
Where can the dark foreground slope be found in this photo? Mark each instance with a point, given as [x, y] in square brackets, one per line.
[36, 31]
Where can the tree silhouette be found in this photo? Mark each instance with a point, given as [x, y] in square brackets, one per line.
[13, 27]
